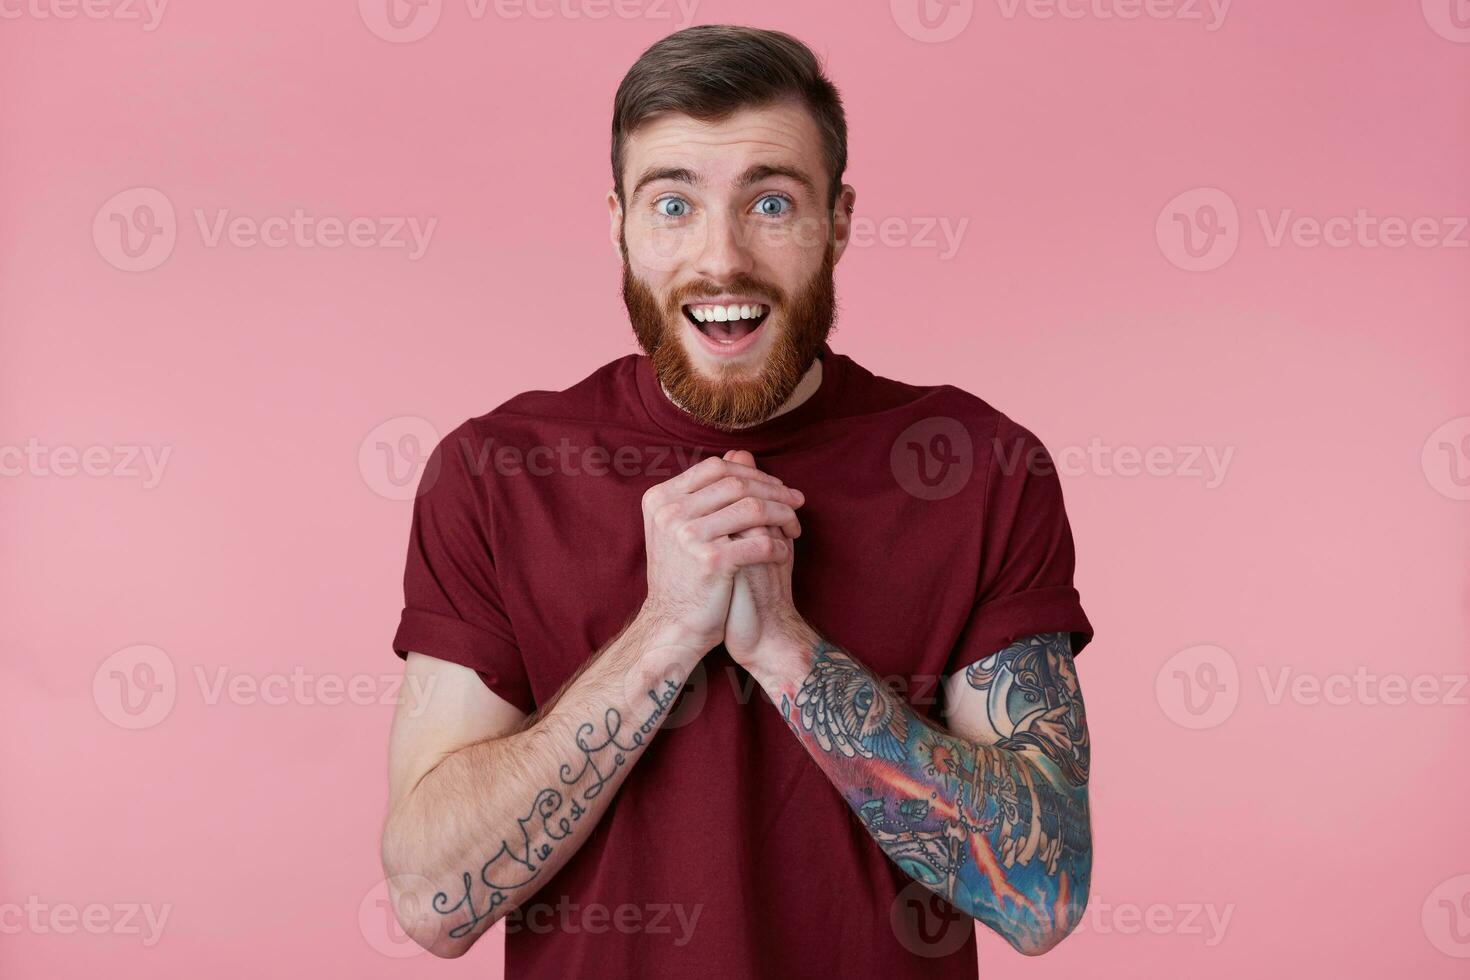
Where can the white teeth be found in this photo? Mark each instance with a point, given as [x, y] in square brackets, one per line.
[723, 314]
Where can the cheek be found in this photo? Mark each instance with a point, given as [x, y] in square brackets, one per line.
[788, 257]
[658, 254]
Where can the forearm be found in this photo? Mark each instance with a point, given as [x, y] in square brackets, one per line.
[483, 830]
[998, 832]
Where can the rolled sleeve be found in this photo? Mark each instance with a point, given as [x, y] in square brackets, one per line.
[452, 606]
[1027, 555]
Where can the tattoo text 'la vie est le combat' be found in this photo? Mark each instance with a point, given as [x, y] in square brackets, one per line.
[553, 814]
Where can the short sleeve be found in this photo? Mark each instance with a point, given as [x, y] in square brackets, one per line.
[452, 608]
[1026, 553]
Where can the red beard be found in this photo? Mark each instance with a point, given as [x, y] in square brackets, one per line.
[732, 401]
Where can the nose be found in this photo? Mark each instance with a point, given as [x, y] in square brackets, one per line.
[725, 253]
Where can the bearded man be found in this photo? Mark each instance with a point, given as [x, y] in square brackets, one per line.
[741, 660]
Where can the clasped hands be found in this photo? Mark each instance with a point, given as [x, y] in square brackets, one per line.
[720, 544]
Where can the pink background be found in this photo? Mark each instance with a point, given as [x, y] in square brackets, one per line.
[1331, 834]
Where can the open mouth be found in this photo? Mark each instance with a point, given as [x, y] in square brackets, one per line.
[726, 325]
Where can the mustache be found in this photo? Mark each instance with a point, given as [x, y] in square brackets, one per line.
[699, 289]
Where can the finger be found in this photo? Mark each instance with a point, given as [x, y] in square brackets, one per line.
[744, 514]
[707, 471]
[727, 490]
[757, 549]
[741, 456]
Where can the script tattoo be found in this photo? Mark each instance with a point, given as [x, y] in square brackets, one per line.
[990, 826]
[553, 814]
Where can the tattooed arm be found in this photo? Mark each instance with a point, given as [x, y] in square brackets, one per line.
[484, 804]
[481, 828]
[991, 814]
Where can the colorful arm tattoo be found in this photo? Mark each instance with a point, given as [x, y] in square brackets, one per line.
[998, 826]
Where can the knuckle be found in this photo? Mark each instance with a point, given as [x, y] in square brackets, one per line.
[708, 558]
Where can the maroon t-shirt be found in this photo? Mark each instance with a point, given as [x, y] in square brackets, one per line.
[933, 535]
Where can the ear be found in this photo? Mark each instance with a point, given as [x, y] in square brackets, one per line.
[842, 221]
[615, 223]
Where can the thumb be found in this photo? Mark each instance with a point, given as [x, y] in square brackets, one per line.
[740, 456]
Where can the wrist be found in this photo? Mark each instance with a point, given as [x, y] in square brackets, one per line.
[664, 641]
[782, 660]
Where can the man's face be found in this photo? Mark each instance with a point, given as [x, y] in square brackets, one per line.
[728, 248]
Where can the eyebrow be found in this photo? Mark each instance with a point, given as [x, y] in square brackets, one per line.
[754, 175]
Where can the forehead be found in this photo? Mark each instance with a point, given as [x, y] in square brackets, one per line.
[783, 133]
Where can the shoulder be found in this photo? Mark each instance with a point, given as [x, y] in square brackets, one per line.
[601, 396]
[942, 408]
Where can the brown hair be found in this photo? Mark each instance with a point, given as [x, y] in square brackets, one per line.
[713, 70]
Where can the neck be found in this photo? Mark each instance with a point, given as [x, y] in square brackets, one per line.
[805, 388]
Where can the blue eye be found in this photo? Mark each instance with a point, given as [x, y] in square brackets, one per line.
[672, 207]
[772, 205]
